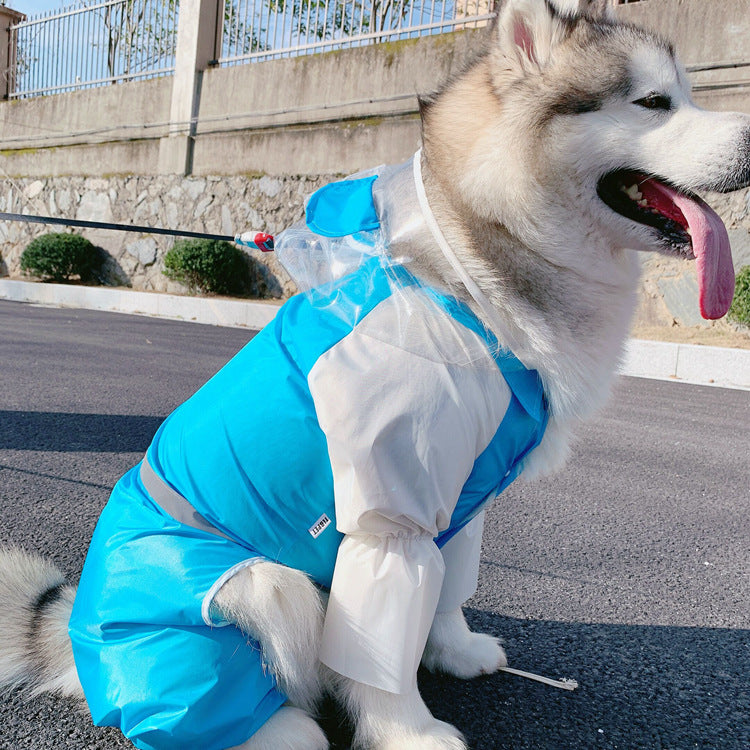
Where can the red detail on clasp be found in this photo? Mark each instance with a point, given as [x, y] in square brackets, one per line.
[264, 242]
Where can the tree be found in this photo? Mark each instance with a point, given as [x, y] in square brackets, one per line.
[279, 24]
[140, 35]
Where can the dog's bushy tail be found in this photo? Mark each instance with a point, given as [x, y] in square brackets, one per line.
[35, 606]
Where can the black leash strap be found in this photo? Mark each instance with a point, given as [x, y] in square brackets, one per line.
[119, 227]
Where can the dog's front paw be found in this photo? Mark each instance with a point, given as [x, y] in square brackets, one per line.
[475, 655]
[437, 736]
[453, 648]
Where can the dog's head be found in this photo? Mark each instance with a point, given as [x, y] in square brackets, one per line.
[579, 129]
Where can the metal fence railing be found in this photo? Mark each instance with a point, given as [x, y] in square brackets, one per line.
[267, 29]
[98, 42]
[94, 43]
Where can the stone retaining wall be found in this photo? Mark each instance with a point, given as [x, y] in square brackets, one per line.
[226, 206]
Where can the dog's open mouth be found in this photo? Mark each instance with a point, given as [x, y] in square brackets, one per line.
[647, 201]
[687, 225]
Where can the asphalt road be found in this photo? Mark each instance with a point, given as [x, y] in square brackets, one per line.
[628, 571]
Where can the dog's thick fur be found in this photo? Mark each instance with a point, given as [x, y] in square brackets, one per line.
[515, 149]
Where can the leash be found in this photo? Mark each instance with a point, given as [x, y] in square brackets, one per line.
[253, 239]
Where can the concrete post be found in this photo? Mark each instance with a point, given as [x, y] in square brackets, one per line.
[198, 30]
[8, 50]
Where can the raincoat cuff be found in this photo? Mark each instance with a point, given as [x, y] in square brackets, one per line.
[383, 599]
[208, 611]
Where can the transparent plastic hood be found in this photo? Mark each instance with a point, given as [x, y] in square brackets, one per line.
[377, 225]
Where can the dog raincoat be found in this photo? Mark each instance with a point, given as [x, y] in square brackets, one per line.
[357, 438]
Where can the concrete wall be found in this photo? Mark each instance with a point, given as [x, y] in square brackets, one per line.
[334, 112]
[92, 132]
[329, 113]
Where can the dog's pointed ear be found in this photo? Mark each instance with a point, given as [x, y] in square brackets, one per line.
[528, 31]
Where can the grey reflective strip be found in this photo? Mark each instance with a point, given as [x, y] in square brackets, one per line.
[174, 503]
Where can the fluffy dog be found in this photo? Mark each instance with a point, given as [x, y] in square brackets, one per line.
[198, 622]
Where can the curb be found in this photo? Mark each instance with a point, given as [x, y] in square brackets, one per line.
[687, 363]
[207, 310]
[684, 363]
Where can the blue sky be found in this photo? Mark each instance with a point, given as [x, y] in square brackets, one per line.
[33, 7]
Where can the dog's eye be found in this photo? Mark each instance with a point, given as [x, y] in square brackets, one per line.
[655, 101]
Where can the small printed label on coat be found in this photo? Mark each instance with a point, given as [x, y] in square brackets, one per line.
[319, 526]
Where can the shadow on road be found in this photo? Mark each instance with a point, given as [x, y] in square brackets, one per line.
[641, 686]
[61, 431]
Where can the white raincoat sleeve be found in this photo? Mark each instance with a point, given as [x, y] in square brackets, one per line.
[404, 428]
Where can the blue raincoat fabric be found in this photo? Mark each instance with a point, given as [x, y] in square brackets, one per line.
[249, 455]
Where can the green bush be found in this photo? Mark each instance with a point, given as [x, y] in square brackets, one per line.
[212, 266]
[60, 257]
[739, 312]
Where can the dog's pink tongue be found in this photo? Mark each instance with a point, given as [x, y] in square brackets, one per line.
[713, 256]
